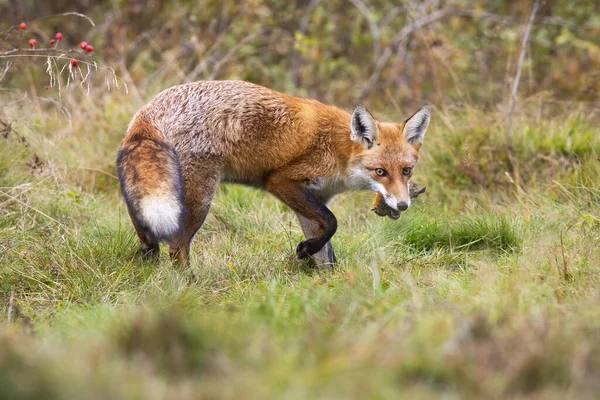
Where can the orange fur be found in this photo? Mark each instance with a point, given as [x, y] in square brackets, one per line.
[300, 150]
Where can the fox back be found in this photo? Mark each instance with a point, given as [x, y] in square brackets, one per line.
[191, 137]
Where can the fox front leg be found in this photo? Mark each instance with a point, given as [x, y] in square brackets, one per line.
[324, 257]
[300, 199]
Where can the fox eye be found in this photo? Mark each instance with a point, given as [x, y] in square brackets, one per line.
[406, 171]
[380, 172]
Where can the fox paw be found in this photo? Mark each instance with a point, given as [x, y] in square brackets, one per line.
[325, 257]
[306, 249]
[149, 252]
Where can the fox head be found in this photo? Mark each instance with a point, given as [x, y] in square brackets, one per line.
[385, 154]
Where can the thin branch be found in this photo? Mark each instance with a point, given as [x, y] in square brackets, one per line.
[512, 20]
[6, 68]
[433, 17]
[303, 30]
[45, 50]
[519, 70]
[393, 13]
[217, 66]
[364, 10]
[396, 42]
[515, 88]
[202, 65]
[76, 14]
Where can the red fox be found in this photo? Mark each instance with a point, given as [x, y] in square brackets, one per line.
[191, 137]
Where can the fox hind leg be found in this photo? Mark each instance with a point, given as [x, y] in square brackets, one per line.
[201, 177]
[150, 248]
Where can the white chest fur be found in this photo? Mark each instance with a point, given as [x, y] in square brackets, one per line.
[326, 188]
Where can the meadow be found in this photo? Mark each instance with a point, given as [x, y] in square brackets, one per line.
[486, 287]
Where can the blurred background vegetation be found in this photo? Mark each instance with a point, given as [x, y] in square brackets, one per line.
[339, 51]
[459, 56]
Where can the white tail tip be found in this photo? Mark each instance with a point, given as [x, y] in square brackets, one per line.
[161, 214]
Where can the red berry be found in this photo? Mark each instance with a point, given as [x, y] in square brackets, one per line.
[32, 43]
[22, 26]
[58, 36]
[74, 63]
[89, 48]
[83, 45]
[52, 41]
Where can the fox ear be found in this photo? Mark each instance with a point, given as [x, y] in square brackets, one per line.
[363, 128]
[416, 126]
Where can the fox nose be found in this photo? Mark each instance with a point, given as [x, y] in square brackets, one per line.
[402, 206]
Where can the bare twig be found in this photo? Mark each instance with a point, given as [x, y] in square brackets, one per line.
[364, 10]
[76, 14]
[296, 56]
[396, 42]
[217, 63]
[217, 66]
[303, 30]
[513, 20]
[202, 65]
[515, 88]
[43, 50]
[393, 13]
[401, 37]
[6, 68]
[73, 13]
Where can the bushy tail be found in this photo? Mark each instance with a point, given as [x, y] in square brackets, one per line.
[150, 177]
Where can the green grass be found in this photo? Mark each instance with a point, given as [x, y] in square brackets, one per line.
[476, 292]
[426, 232]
